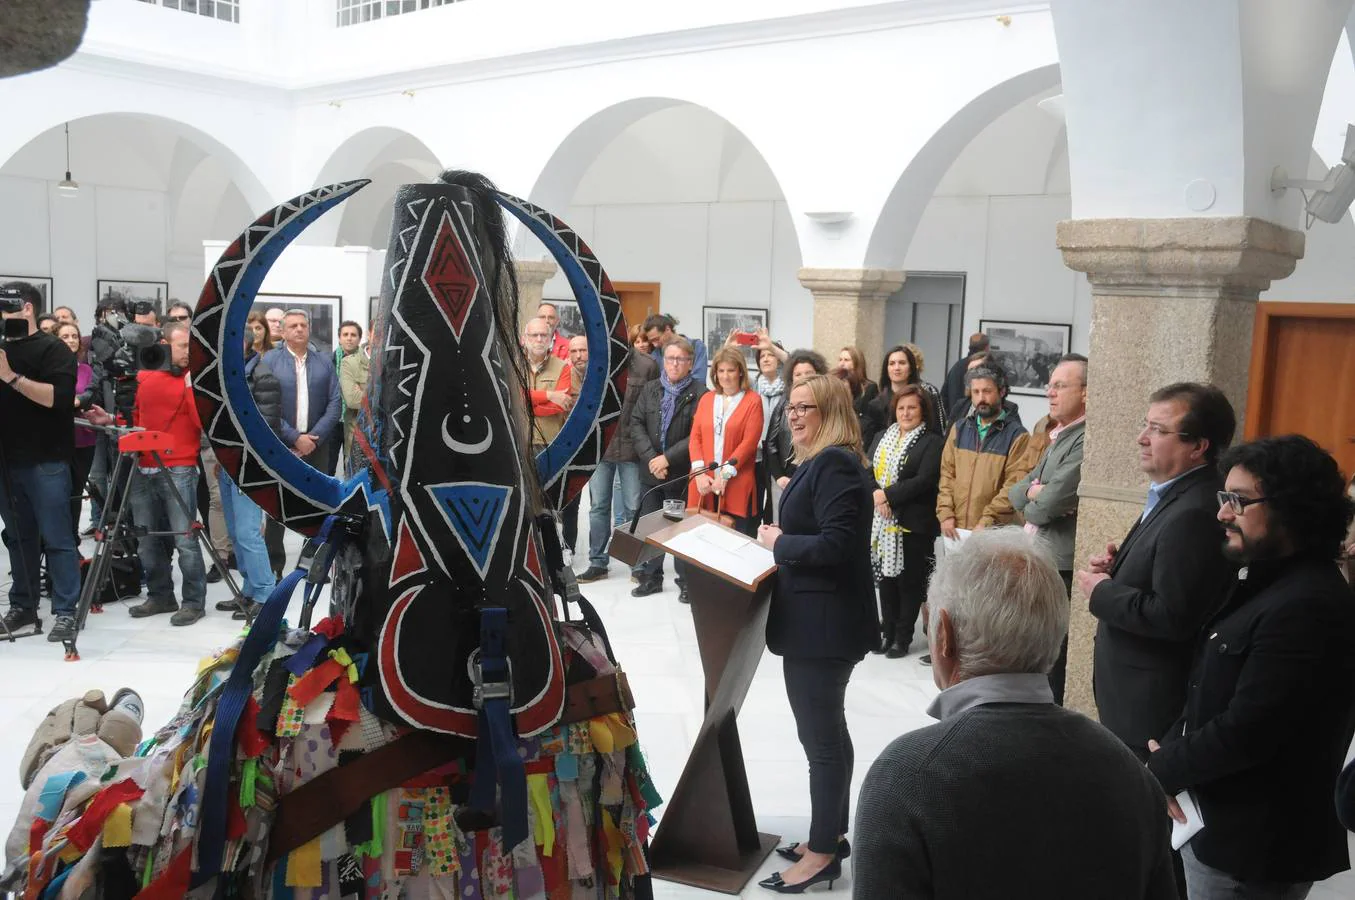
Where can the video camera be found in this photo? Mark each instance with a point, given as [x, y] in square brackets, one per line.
[124, 348]
[11, 302]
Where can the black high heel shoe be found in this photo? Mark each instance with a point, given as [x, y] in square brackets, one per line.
[829, 873]
[792, 852]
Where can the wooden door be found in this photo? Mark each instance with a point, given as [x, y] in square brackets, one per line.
[1303, 375]
[639, 299]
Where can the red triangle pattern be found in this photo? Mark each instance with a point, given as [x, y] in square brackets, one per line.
[448, 276]
[408, 560]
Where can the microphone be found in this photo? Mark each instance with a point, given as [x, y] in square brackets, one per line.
[635, 521]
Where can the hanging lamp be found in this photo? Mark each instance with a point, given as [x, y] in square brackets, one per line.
[67, 186]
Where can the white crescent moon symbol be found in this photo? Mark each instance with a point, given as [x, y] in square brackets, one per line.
[459, 447]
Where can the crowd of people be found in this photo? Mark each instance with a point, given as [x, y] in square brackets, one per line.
[120, 376]
[1223, 664]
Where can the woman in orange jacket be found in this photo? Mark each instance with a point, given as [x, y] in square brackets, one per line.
[725, 435]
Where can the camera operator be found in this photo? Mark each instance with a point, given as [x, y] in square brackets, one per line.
[164, 402]
[110, 353]
[37, 398]
[143, 313]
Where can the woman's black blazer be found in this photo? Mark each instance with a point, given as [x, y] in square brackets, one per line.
[823, 603]
[912, 496]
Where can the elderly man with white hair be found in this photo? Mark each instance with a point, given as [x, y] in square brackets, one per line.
[1008, 795]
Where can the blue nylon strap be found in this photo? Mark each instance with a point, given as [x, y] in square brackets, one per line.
[497, 763]
[263, 634]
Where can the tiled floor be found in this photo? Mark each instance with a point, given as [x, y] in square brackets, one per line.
[653, 636]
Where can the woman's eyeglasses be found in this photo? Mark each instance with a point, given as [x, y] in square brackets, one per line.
[796, 410]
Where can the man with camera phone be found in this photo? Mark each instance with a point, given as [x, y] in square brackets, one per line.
[37, 409]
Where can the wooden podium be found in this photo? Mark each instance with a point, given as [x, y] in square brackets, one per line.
[708, 836]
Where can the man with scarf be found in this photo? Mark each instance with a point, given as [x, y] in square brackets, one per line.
[660, 426]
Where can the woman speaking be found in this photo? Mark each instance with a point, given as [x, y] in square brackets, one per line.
[725, 436]
[822, 619]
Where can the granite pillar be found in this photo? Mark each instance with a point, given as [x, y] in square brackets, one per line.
[532, 275]
[1172, 300]
[849, 310]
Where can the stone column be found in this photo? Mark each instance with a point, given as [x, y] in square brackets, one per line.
[849, 310]
[532, 276]
[1172, 300]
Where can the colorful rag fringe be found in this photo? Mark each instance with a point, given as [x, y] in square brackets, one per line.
[589, 800]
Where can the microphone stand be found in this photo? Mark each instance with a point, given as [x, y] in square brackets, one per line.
[635, 521]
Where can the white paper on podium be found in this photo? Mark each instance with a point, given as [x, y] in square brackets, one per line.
[1181, 833]
[741, 558]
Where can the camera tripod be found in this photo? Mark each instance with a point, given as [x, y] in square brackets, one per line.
[114, 528]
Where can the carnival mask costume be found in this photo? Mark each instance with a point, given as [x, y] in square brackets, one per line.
[443, 732]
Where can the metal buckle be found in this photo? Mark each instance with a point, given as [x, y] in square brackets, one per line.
[493, 690]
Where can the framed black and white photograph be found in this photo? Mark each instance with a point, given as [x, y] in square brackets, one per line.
[42, 283]
[718, 321]
[571, 319]
[1028, 351]
[156, 293]
[323, 309]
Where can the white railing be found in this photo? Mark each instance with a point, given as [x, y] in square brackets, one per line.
[355, 12]
[224, 10]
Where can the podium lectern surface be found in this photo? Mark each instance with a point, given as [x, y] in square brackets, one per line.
[708, 835]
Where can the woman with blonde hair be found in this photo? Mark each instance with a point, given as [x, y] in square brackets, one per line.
[822, 620]
[726, 432]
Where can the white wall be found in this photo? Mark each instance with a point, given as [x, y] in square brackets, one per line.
[315, 271]
[101, 233]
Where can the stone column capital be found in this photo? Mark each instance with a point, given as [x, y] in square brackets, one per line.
[848, 283]
[1235, 256]
[534, 271]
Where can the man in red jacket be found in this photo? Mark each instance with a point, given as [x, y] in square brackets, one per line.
[164, 402]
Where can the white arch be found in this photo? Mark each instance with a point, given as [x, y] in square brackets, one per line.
[378, 152]
[559, 178]
[241, 173]
[903, 208]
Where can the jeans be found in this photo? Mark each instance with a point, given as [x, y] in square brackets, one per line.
[244, 523]
[604, 515]
[1204, 882]
[817, 690]
[152, 502]
[35, 504]
[652, 571]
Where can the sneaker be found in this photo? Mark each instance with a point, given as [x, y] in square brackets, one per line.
[926, 660]
[241, 615]
[153, 608]
[18, 618]
[187, 616]
[63, 629]
[592, 573]
[645, 588]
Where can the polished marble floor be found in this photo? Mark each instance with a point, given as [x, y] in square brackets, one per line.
[654, 637]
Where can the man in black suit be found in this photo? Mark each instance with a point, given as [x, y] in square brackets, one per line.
[1271, 706]
[1152, 594]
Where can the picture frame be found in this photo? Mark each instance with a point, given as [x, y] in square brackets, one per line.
[571, 319]
[718, 321]
[131, 291]
[42, 283]
[325, 311]
[1028, 351]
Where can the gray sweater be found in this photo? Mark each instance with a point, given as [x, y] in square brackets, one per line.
[1054, 511]
[1010, 797]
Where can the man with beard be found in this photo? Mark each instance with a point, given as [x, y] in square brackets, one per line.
[1271, 704]
[984, 456]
